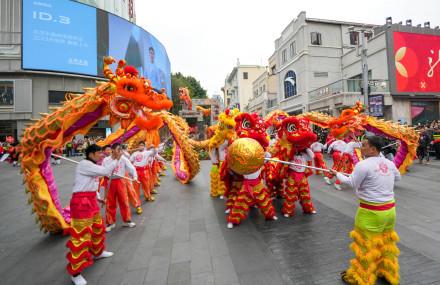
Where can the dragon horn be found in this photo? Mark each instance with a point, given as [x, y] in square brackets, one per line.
[107, 71]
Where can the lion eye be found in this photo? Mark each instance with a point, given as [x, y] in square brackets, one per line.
[246, 124]
[291, 128]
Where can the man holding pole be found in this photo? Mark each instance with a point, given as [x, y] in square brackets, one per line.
[374, 238]
[117, 190]
[87, 227]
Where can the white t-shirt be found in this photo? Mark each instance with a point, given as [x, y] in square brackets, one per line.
[124, 165]
[317, 147]
[222, 150]
[87, 175]
[349, 147]
[373, 178]
[301, 158]
[140, 158]
[337, 145]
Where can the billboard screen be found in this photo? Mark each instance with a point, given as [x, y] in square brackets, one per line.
[416, 62]
[66, 36]
[59, 36]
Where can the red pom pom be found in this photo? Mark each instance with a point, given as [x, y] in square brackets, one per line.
[227, 111]
[131, 70]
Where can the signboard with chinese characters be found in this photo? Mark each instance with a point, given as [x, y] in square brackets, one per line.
[414, 61]
[376, 104]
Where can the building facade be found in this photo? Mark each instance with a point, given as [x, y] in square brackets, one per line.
[318, 67]
[401, 87]
[265, 90]
[309, 55]
[238, 85]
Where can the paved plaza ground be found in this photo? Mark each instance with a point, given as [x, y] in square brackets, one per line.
[182, 237]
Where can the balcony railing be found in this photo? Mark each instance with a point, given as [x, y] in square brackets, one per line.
[348, 86]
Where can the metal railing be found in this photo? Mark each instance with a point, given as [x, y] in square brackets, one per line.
[348, 86]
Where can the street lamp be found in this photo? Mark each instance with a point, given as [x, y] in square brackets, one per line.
[363, 33]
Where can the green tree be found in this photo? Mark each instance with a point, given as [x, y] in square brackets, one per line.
[179, 80]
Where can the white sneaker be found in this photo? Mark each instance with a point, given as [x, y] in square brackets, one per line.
[221, 197]
[78, 280]
[286, 215]
[327, 180]
[338, 187]
[109, 228]
[104, 254]
[275, 218]
[129, 224]
[313, 212]
[230, 225]
[227, 211]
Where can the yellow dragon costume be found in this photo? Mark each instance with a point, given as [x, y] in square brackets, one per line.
[224, 132]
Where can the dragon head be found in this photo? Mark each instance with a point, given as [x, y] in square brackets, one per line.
[131, 98]
[273, 119]
[252, 126]
[297, 132]
[348, 123]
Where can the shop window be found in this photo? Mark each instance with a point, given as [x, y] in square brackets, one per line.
[6, 93]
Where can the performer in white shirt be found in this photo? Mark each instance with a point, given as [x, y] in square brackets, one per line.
[117, 190]
[318, 159]
[140, 160]
[133, 196]
[297, 185]
[336, 148]
[374, 238]
[87, 227]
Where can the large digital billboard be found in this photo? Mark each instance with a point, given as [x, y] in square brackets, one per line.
[416, 66]
[66, 36]
[59, 36]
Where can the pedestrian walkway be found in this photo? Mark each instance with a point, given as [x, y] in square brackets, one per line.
[182, 239]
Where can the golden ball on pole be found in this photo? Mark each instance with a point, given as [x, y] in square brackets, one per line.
[245, 156]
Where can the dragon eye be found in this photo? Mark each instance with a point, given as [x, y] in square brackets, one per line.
[291, 128]
[129, 87]
[246, 124]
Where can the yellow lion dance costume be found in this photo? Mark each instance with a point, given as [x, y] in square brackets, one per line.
[218, 143]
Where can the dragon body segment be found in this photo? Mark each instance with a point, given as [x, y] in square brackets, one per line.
[352, 123]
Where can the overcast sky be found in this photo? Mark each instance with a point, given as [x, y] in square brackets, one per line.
[204, 38]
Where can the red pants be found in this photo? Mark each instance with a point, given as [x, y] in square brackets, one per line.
[133, 194]
[117, 192]
[86, 232]
[144, 182]
[297, 188]
[338, 164]
[252, 191]
[319, 162]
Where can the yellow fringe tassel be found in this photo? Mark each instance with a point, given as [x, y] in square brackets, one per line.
[375, 256]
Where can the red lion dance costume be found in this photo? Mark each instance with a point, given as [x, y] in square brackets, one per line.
[295, 138]
[252, 190]
[273, 181]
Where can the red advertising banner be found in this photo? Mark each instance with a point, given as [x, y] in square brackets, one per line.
[417, 62]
